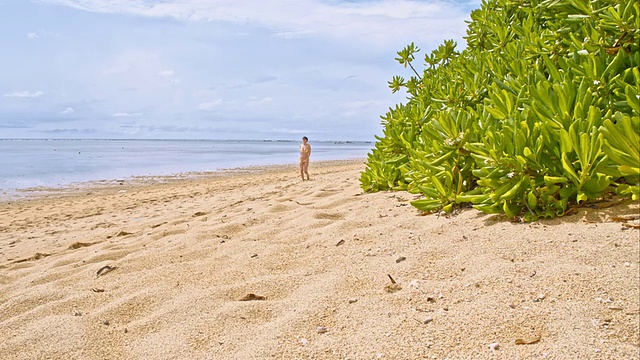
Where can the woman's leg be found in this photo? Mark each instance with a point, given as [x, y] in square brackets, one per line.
[306, 168]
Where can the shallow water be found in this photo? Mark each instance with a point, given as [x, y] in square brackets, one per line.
[56, 163]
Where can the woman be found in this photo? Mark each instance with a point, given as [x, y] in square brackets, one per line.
[305, 153]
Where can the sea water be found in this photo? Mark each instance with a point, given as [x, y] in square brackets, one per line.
[57, 163]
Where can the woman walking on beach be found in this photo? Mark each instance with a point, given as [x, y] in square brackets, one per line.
[305, 153]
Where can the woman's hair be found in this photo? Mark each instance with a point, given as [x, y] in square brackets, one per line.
[305, 138]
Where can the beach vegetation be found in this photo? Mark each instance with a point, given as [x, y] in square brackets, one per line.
[540, 112]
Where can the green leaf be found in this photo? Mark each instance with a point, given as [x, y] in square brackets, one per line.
[427, 205]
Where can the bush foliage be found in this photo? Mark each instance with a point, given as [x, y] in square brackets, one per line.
[539, 113]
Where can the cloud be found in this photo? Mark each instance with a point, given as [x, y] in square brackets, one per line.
[305, 66]
[387, 21]
[354, 108]
[24, 94]
[71, 131]
[132, 60]
[265, 79]
[125, 114]
[264, 101]
[169, 76]
[210, 105]
[32, 35]
[292, 35]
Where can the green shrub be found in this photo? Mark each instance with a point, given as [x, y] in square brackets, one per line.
[539, 113]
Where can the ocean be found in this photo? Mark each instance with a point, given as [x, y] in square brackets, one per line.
[30, 163]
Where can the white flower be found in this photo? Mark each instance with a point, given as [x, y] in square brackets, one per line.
[596, 82]
[583, 52]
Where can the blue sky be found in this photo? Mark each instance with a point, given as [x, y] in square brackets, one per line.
[210, 69]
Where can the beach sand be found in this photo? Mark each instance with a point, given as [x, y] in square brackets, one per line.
[257, 264]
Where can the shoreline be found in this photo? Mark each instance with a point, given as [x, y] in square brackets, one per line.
[12, 195]
[260, 264]
[41, 164]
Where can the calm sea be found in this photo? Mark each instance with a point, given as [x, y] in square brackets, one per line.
[56, 163]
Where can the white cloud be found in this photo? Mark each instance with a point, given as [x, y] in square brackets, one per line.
[24, 94]
[387, 21]
[354, 108]
[169, 76]
[210, 105]
[290, 35]
[137, 61]
[68, 110]
[166, 73]
[263, 101]
[125, 114]
[42, 34]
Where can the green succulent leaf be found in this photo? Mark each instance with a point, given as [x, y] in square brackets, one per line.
[540, 112]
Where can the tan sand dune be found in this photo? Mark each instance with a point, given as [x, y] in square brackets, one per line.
[176, 259]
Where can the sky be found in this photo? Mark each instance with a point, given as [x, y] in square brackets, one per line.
[211, 69]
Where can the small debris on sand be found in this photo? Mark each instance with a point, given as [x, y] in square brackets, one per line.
[528, 340]
[252, 297]
[540, 297]
[78, 245]
[105, 269]
[393, 287]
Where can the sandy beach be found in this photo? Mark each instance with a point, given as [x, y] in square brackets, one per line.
[257, 264]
